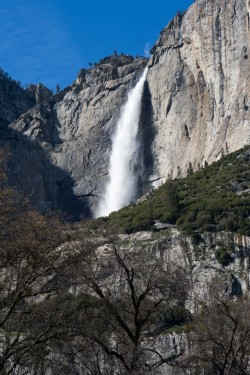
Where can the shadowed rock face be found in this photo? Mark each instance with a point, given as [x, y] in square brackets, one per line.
[195, 107]
[13, 100]
[199, 81]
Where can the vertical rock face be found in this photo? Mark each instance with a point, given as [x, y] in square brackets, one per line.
[87, 117]
[199, 83]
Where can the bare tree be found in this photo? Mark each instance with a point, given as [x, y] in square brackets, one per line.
[29, 261]
[221, 336]
[130, 288]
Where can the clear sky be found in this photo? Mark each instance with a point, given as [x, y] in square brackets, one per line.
[49, 41]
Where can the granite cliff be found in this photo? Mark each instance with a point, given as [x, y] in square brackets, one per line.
[199, 83]
[195, 108]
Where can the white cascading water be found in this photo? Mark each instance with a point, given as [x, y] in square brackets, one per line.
[122, 186]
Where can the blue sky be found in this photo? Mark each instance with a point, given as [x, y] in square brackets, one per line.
[49, 41]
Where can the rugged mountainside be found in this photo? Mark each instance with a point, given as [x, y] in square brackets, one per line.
[195, 107]
[199, 83]
[60, 144]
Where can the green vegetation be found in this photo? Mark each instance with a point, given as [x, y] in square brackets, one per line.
[178, 329]
[214, 198]
[223, 256]
[176, 319]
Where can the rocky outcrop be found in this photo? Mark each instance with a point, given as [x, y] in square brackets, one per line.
[204, 256]
[199, 83]
[201, 257]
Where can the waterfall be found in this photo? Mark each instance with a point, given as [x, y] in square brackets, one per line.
[123, 174]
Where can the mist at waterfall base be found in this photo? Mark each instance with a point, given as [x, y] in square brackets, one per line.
[123, 172]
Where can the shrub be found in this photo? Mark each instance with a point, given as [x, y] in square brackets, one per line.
[223, 256]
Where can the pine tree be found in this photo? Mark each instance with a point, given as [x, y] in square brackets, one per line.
[179, 174]
[190, 169]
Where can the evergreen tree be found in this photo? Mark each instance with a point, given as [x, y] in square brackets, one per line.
[190, 169]
[179, 174]
[58, 89]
